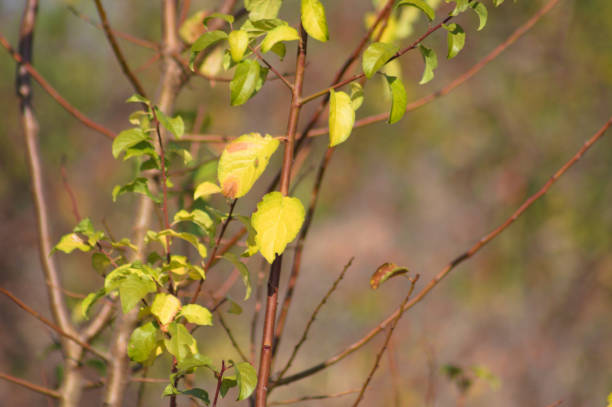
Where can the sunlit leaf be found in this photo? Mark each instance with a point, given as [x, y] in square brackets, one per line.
[277, 221]
[278, 34]
[139, 186]
[165, 307]
[196, 314]
[377, 55]
[497, 3]
[460, 6]
[90, 300]
[180, 344]
[456, 39]
[174, 125]
[341, 117]
[385, 272]
[205, 189]
[313, 19]
[188, 237]
[262, 9]
[431, 62]
[194, 361]
[244, 272]
[420, 4]
[481, 10]
[243, 161]
[238, 42]
[197, 216]
[225, 17]
[70, 242]
[399, 101]
[246, 81]
[143, 342]
[251, 243]
[128, 138]
[356, 95]
[246, 376]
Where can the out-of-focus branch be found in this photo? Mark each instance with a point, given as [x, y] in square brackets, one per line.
[117, 51]
[458, 260]
[26, 66]
[308, 398]
[231, 337]
[28, 385]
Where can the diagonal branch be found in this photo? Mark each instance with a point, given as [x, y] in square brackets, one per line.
[28, 385]
[453, 264]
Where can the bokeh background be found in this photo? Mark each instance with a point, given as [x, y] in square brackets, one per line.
[532, 310]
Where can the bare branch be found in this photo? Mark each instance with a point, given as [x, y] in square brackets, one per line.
[308, 398]
[231, 337]
[28, 385]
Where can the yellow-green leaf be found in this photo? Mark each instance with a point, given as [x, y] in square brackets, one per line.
[205, 189]
[341, 117]
[70, 242]
[399, 101]
[456, 39]
[481, 10]
[243, 161]
[278, 34]
[356, 95]
[246, 376]
[277, 221]
[377, 55]
[180, 344]
[197, 314]
[243, 270]
[262, 9]
[143, 342]
[126, 139]
[246, 81]
[238, 42]
[420, 4]
[165, 307]
[431, 62]
[313, 20]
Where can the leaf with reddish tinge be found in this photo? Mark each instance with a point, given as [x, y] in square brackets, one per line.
[385, 272]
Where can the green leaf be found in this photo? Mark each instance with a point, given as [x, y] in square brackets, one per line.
[133, 289]
[181, 344]
[128, 138]
[243, 161]
[431, 62]
[206, 40]
[356, 95]
[385, 272]
[196, 314]
[313, 19]
[100, 262]
[205, 189]
[399, 101]
[277, 221]
[139, 186]
[227, 383]
[420, 4]
[238, 42]
[143, 342]
[245, 82]
[136, 98]
[234, 307]
[197, 216]
[481, 10]
[165, 307]
[226, 17]
[460, 6]
[246, 376]
[278, 34]
[194, 361]
[341, 117]
[197, 393]
[188, 237]
[456, 39]
[70, 242]
[377, 55]
[497, 3]
[244, 272]
[279, 49]
[90, 300]
[262, 9]
[174, 125]
[251, 244]
[85, 227]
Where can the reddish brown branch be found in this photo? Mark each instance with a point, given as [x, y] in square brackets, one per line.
[28, 385]
[458, 260]
[308, 398]
[71, 195]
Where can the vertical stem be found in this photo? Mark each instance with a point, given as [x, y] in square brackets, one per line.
[265, 364]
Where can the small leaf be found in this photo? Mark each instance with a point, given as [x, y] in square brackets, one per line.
[70, 242]
[227, 383]
[431, 62]
[165, 307]
[278, 34]
[174, 125]
[197, 216]
[100, 262]
[244, 272]
[481, 10]
[399, 101]
[385, 272]
[277, 221]
[196, 314]
[194, 361]
[377, 55]
[245, 82]
[188, 237]
[128, 138]
[243, 161]
[456, 39]
[420, 4]
[193, 27]
[356, 95]
[279, 49]
[251, 244]
[143, 342]
[197, 393]
[139, 186]
[225, 17]
[263, 9]
[90, 300]
[246, 376]
[205, 189]
[313, 19]
[181, 344]
[239, 42]
[341, 117]
[206, 40]
[497, 3]
[234, 307]
[460, 6]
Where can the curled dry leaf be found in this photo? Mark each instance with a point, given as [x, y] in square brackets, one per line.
[385, 272]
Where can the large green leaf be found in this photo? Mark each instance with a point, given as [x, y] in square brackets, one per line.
[174, 125]
[377, 55]
[246, 82]
[246, 376]
[133, 289]
[456, 39]
[420, 4]
[262, 9]
[244, 272]
[431, 62]
[399, 101]
[278, 34]
[313, 20]
[277, 221]
[243, 161]
[143, 342]
[128, 138]
[196, 314]
[341, 117]
[165, 307]
[180, 344]
[239, 42]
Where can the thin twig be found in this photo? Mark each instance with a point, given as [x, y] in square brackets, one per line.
[271, 67]
[458, 260]
[70, 192]
[308, 398]
[386, 343]
[313, 317]
[231, 337]
[53, 326]
[28, 385]
[257, 309]
[219, 383]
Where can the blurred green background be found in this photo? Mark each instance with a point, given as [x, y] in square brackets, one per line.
[533, 307]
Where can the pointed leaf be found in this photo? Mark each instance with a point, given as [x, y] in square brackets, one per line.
[420, 4]
[70, 242]
[194, 361]
[174, 125]
[196, 314]
[385, 272]
[377, 55]
[244, 272]
[278, 34]
[341, 117]
[197, 393]
[126, 139]
[143, 342]
[197, 216]
[277, 221]
[460, 6]
[262, 9]
[133, 289]
[243, 161]
[431, 62]
[456, 39]
[313, 19]
[356, 95]
[225, 17]
[497, 3]
[239, 42]
[245, 82]
[481, 10]
[246, 376]
[165, 307]
[205, 189]
[90, 300]
[181, 344]
[399, 101]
